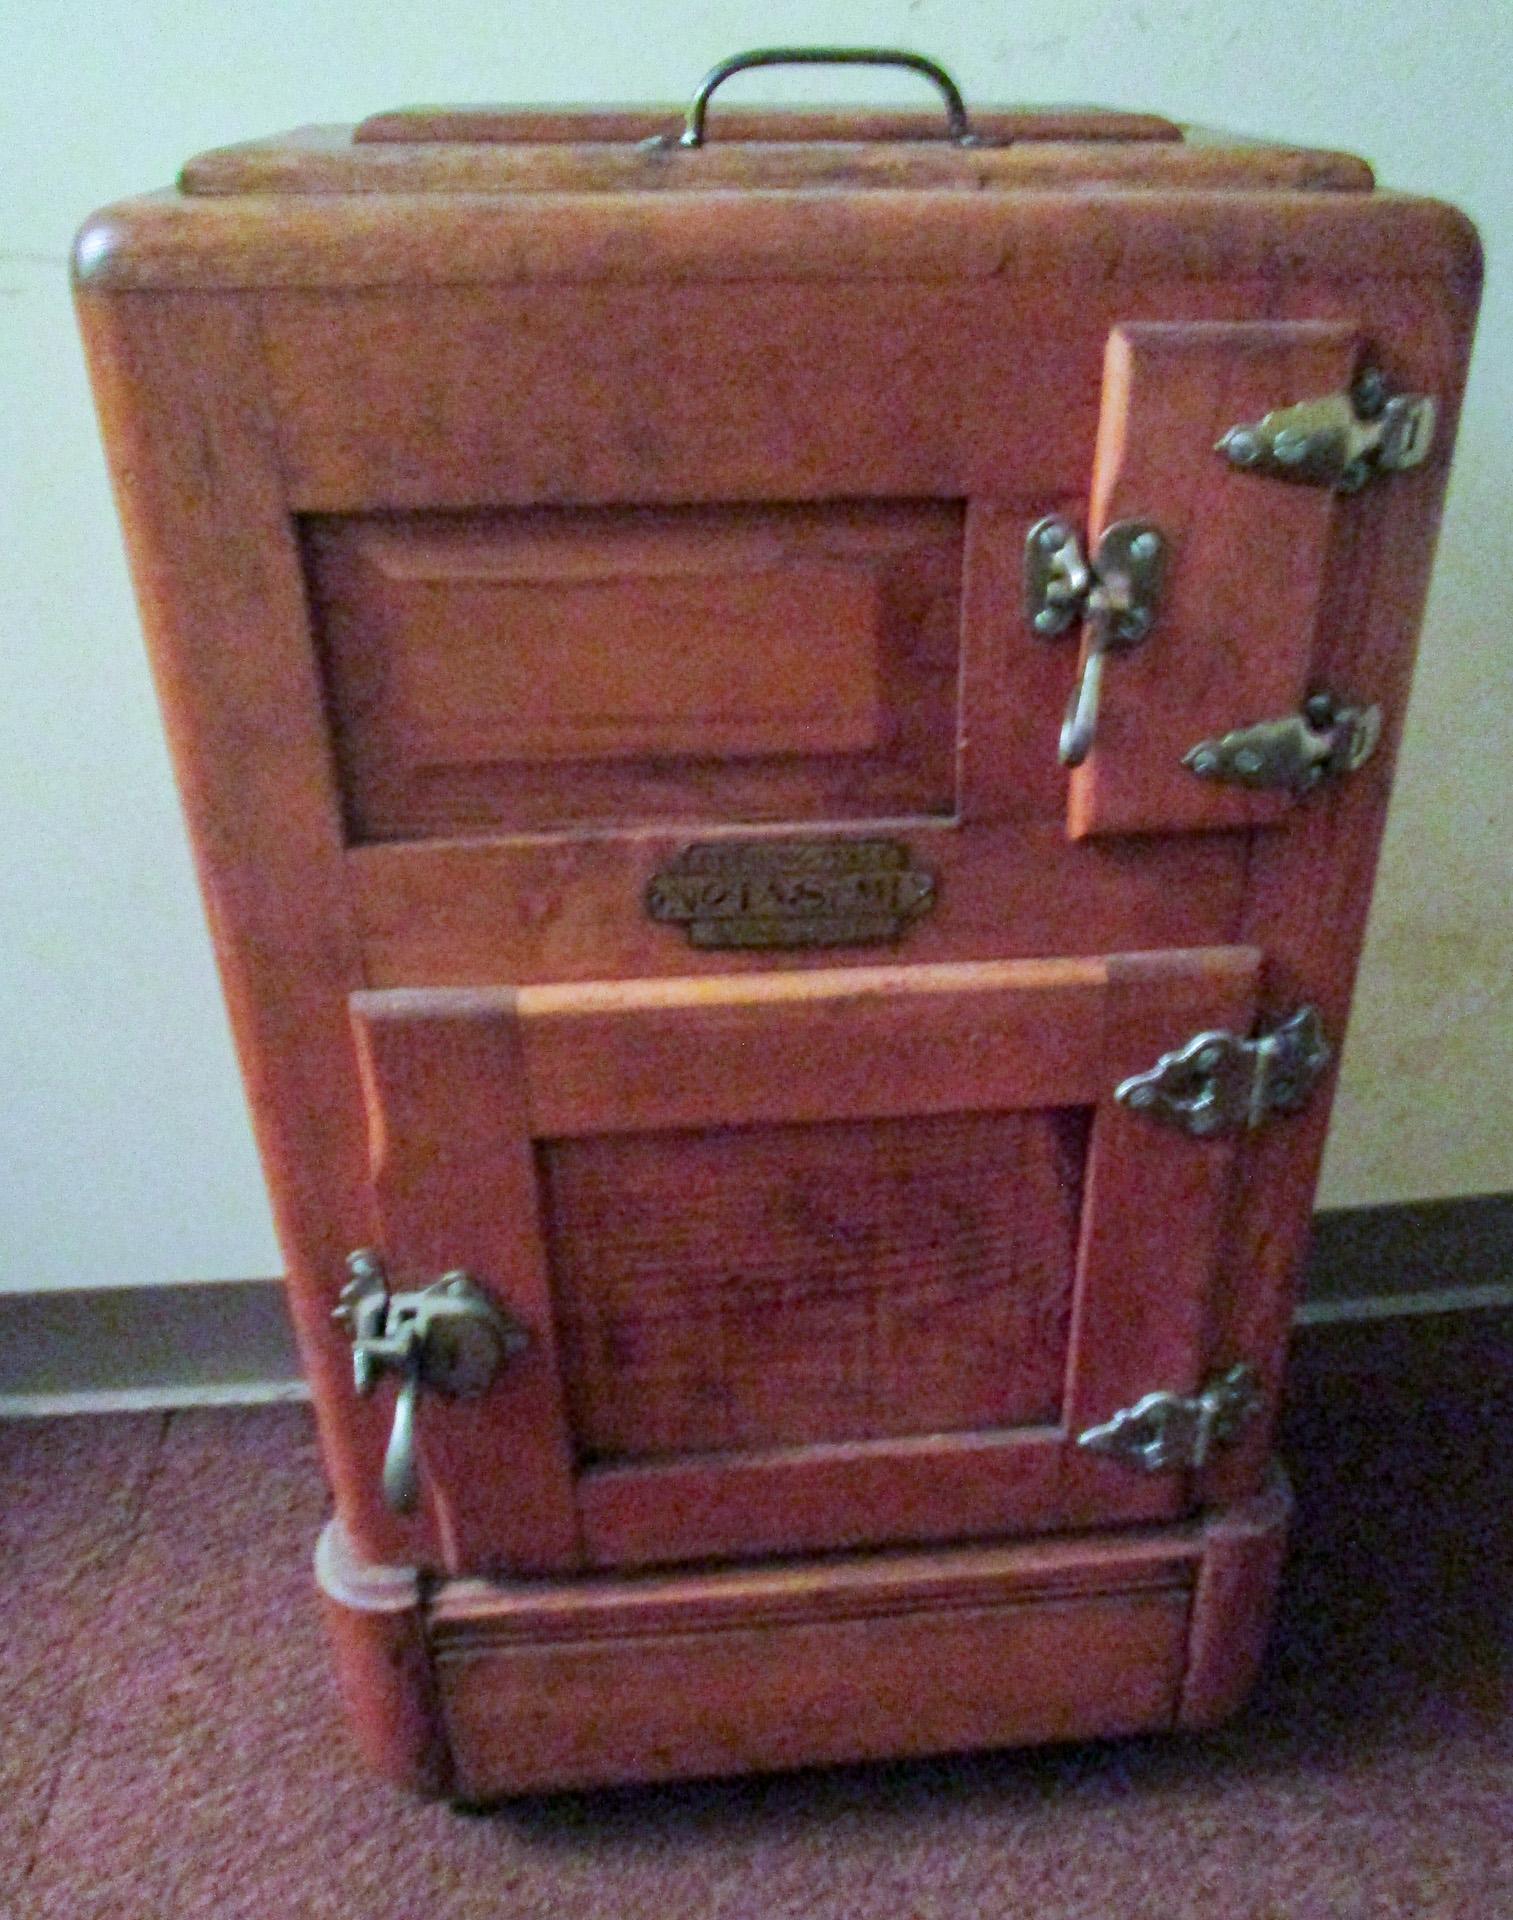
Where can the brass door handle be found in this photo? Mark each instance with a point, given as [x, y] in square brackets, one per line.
[401, 1474]
[1116, 592]
[1080, 725]
[449, 1337]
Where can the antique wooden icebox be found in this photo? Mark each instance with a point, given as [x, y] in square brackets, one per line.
[785, 718]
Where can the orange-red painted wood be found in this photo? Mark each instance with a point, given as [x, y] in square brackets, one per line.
[549, 670]
[580, 125]
[791, 1663]
[383, 1665]
[560, 907]
[372, 408]
[477, 1102]
[739, 1701]
[1231, 1607]
[1231, 644]
[788, 1285]
[1261, 242]
[456, 1189]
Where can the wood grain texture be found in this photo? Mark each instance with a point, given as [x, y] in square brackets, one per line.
[185, 413]
[836, 1495]
[576, 124]
[1232, 1604]
[1153, 1221]
[546, 1684]
[766, 390]
[771, 1286]
[738, 1702]
[852, 1043]
[1014, 685]
[925, 1655]
[538, 909]
[1153, 1218]
[375, 1620]
[1231, 644]
[456, 1188]
[541, 671]
[480, 329]
[762, 1593]
[1245, 242]
[1368, 627]
[613, 1075]
[434, 168]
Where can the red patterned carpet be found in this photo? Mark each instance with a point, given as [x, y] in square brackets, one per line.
[169, 1745]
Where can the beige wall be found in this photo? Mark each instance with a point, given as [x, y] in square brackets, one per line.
[123, 1145]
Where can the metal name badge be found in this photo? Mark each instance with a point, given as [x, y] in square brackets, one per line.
[791, 893]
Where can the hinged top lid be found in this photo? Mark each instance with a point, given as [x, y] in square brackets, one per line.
[948, 147]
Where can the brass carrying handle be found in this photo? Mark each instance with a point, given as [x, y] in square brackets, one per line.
[957, 123]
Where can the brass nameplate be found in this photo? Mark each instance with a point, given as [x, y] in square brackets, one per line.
[791, 893]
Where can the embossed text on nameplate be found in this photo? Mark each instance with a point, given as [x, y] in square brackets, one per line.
[791, 893]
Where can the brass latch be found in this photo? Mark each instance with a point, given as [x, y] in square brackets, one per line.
[1325, 740]
[1116, 592]
[449, 1337]
[1338, 441]
[1167, 1430]
[1217, 1081]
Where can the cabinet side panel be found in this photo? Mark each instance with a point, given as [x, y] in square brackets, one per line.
[179, 385]
[1311, 882]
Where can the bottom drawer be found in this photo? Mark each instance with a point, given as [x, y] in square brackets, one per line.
[738, 1699]
[482, 1688]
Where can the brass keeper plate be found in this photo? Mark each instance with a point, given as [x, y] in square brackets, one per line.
[791, 893]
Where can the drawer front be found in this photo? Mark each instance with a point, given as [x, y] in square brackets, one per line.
[786, 1665]
[810, 1260]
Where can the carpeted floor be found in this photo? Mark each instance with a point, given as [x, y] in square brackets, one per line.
[169, 1745]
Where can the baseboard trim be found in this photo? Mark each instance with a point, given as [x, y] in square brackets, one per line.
[137, 1349]
[228, 1343]
[168, 1398]
[1405, 1306]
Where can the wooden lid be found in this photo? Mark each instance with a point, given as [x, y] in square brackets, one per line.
[630, 125]
[833, 150]
[616, 150]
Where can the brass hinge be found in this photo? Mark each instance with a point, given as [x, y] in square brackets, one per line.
[1325, 740]
[1217, 1081]
[1178, 1430]
[1338, 441]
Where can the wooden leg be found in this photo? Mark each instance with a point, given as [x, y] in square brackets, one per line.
[1238, 1574]
[383, 1669]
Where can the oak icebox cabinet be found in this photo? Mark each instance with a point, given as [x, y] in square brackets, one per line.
[785, 718]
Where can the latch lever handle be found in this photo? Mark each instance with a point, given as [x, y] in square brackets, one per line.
[401, 1477]
[449, 1337]
[1080, 726]
[1116, 594]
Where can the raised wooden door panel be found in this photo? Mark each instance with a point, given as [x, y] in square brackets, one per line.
[455, 1189]
[773, 1285]
[814, 1260]
[556, 667]
[1234, 634]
